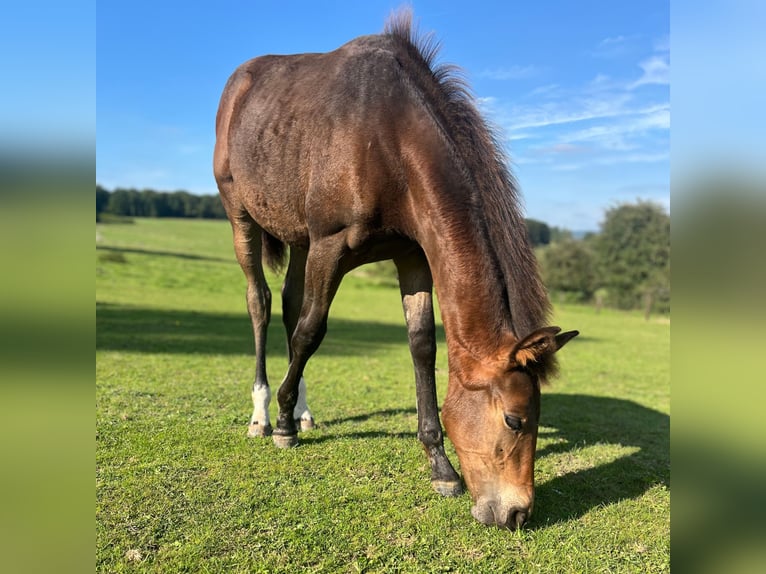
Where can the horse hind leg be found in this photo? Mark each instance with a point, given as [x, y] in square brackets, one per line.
[292, 299]
[247, 246]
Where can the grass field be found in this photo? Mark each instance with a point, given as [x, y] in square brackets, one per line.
[179, 487]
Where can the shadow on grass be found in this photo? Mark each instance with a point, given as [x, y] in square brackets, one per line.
[189, 256]
[357, 435]
[147, 330]
[384, 414]
[583, 420]
[578, 419]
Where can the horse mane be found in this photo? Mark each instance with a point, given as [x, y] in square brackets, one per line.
[495, 191]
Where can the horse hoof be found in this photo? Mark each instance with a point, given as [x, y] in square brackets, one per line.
[257, 430]
[285, 440]
[447, 487]
[306, 424]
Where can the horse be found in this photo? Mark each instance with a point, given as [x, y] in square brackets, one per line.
[372, 152]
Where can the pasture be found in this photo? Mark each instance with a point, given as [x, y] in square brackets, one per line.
[179, 487]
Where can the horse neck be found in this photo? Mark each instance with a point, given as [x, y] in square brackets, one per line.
[472, 297]
[445, 217]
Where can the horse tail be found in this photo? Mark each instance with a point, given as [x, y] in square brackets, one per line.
[274, 252]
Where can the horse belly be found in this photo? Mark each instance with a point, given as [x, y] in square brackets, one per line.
[277, 209]
[267, 182]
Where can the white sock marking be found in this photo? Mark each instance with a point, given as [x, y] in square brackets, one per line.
[261, 398]
[301, 408]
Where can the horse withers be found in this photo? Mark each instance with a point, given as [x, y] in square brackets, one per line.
[374, 152]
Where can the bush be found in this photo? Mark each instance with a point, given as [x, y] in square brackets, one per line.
[633, 255]
[568, 270]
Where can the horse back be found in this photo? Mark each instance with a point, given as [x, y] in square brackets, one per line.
[310, 144]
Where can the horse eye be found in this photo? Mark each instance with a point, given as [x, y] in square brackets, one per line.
[513, 423]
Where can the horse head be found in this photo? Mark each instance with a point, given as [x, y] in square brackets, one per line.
[491, 416]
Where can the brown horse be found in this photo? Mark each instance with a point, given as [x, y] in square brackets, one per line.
[372, 152]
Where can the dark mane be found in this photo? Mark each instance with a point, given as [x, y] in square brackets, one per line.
[495, 190]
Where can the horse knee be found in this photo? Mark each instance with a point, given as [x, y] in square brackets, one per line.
[431, 437]
[259, 301]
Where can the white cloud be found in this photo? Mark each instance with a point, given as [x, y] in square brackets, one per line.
[600, 81]
[616, 47]
[587, 139]
[614, 136]
[527, 160]
[486, 103]
[613, 160]
[596, 126]
[656, 71]
[634, 158]
[544, 91]
[612, 41]
[557, 113]
[519, 136]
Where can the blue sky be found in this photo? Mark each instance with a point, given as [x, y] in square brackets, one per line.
[579, 90]
[48, 77]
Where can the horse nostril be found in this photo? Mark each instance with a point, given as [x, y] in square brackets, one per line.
[521, 519]
[516, 519]
[483, 513]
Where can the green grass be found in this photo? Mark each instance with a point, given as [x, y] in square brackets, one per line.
[179, 488]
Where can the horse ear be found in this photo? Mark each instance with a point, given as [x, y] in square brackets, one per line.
[539, 344]
[563, 338]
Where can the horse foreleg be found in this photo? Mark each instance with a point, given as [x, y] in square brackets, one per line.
[416, 283]
[322, 277]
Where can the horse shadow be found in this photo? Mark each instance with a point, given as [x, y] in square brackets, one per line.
[575, 421]
[188, 256]
[582, 420]
[331, 434]
[132, 328]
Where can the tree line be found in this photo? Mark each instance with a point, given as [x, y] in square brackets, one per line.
[151, 203]
[624, 265]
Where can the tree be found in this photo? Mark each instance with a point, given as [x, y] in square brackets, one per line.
[560, 234]
[633, 253]
[211, 207]
[102, 200]
[120, 202]
[538, 232]
[149, 203]
[568, 267]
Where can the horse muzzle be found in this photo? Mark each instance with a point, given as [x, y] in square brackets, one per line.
[492, 512]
